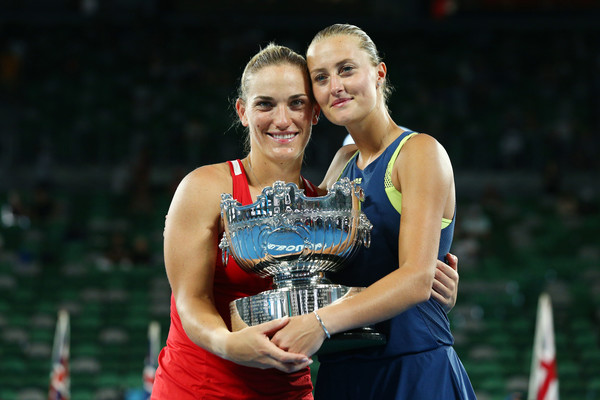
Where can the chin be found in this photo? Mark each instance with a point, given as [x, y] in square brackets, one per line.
[287, 154]
[341, 121]
[339, 117]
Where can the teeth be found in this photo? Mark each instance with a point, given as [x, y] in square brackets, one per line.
[288, 136]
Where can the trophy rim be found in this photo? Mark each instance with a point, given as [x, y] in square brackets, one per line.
[284, 208]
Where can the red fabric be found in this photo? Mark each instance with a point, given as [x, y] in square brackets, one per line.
[186, 371]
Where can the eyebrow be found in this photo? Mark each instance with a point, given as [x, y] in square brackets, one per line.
[263, 98]
[297, 96]
[337, 65]
[269, 98]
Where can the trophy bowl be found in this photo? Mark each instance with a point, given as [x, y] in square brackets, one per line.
[295, 240]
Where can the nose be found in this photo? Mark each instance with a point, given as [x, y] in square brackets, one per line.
[282, 118]
[335, 84]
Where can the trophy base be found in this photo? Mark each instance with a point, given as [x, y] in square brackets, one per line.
[287, 301]
[293, 301]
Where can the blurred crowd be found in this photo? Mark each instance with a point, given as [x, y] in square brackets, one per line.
[126, 110]
[94, 96]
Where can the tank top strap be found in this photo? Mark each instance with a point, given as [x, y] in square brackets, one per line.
[347, 164]
[241, 191]
[394, 196]
[388, 171]
[310, 190]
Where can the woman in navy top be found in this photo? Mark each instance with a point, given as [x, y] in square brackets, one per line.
[410, 199]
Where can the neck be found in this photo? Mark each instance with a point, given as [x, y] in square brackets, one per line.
[373, 135]
[262, 172]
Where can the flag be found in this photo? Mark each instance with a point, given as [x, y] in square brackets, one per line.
[60, 380]
[543, 380]
[152, 357]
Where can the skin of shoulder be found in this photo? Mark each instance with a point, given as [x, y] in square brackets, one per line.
[192, 227]
[199, 192]
[336, 167]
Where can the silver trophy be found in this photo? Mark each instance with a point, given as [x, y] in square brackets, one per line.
[296, 239]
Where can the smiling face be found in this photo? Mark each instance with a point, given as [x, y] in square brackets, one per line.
[344, 79]
[278, 112]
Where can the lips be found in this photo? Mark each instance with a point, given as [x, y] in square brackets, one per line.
[340, 102]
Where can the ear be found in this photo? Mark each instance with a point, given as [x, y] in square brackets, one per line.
[240, 108]
[316, 114]
[381, 73]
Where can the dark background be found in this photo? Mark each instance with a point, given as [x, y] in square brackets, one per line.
[105, 105]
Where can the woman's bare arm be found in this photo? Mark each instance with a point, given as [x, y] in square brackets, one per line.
[425, 174]
[190, 247]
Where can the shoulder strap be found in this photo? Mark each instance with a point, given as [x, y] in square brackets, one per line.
[240, 191]
[310, 190]
[393, 194]
[347, 163]
[388, 171]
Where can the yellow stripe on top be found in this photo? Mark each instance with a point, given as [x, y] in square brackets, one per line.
[394, 196]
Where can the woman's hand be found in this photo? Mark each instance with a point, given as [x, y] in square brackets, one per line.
[252, 347]
[445, 285]
[303, 334]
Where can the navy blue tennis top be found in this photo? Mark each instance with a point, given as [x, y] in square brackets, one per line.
[423, 327]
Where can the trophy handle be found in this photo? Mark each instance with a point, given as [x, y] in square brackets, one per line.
[224, 246]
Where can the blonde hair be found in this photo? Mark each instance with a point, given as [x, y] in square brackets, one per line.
[365, 43]
[273, 54]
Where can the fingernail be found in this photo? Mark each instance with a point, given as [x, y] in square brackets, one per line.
[310, 362]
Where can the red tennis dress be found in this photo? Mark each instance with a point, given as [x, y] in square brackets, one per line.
[187, 371]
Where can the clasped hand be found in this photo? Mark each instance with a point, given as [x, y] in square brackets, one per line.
[303, 334]
[252, 347]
